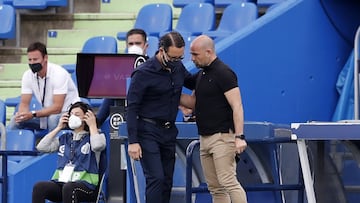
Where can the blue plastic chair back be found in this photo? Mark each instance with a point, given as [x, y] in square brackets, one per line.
[154, 18]
[20, 140]
[187, 55]
[235, 17]
[34, 104]
[30, 4]
[7, 23]
[8, 2]
[267, 3]
[100, 44]
[153, 43]
[196, 18]
[38, 4]
[2, 112]
[225, 3]
[56, 2]
[182, 3]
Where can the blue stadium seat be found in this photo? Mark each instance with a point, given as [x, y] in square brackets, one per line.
[8, 21]
[38, 4]
[235, 17]
[20, 140]
[69, 67]
[182, 3]
[267, 3]
[2, 112]
[153, 43]
[187, 55]
[34, 105]
[8, 2]
[225, 3]
[153, 19]
[196, 18]
[100, 44]
[12, 101]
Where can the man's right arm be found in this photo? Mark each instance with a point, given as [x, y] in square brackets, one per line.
[24, 102]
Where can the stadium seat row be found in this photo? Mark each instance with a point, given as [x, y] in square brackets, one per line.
[224, 3]
[194, 19]
[9, 26]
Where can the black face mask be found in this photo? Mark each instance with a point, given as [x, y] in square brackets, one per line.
[169, 64]
[36, 67]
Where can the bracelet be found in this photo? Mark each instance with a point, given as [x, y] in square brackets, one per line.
[241, 137]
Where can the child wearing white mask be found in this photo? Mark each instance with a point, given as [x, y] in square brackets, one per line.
[77, 174]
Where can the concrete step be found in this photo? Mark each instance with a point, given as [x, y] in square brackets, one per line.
[119, 21]
[75, 39]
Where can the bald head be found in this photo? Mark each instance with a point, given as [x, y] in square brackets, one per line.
[204, 42]
[202, 51]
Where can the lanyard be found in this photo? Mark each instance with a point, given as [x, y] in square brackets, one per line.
[44, 91]
[72, 151]
[74, 143]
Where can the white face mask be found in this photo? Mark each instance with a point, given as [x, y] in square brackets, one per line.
[135, 50]
[74, 122]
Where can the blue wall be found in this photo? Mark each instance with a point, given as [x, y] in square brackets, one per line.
[288, 61]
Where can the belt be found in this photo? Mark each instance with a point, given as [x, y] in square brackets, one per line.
[160, 123]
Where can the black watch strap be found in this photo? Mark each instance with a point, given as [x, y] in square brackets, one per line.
[241, 137]
[33, 114]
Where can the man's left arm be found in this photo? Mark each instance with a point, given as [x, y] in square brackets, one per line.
[233, 96]
[55, 108]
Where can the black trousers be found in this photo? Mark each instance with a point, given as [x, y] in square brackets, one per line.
[62, 192]
[158, 160]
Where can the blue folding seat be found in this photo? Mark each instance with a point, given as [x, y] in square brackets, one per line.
[100, 44]
[2, 112]
[8, 22]
[196, 18]
[225, 3]
[34, 105]
[20, 140]
[69, 68]
[38, 4]
[182, 3]
[8, 2]
[59, 3]
[268, 3]
[153, 19]
[153, 43]
[235, 17]
[187, 55]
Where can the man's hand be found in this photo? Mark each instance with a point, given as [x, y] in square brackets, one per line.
[240, 145]
[134, 151]
[22, 116]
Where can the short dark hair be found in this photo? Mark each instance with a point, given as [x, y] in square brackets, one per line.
[136, 31]
[171, 39]
[37, 46]
[84, 107]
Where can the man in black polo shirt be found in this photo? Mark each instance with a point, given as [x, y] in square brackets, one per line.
[153, 99]
[220, 121]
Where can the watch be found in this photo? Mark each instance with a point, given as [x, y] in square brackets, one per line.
[241, 137]
[33, 114]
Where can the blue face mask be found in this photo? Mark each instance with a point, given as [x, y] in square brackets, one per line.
[36, 67]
